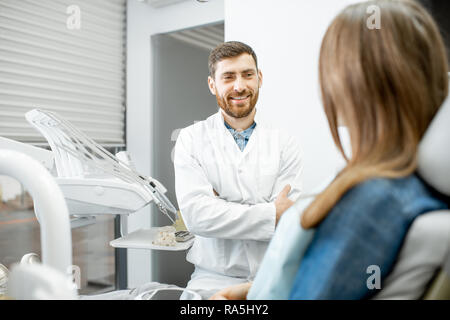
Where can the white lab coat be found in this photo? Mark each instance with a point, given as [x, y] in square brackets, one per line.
[233, 229]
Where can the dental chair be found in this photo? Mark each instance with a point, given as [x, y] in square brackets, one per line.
[422, 269]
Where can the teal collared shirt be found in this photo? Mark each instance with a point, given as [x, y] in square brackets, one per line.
[241, 137]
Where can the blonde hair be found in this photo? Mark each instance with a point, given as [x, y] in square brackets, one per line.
[386, 85]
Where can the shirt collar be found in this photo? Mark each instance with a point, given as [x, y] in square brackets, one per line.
[246, 133]
[222, 119]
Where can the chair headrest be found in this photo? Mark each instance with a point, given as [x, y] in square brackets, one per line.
[434, 151]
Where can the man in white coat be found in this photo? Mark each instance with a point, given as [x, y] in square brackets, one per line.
[233, 175]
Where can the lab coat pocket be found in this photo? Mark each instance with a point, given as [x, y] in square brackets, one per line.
[208, 253]
[266, 183]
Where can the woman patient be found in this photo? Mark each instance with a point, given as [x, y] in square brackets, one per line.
[385, 85]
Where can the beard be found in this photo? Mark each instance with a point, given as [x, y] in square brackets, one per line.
[238, 110]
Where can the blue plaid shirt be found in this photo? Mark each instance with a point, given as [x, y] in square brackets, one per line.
[241, 137]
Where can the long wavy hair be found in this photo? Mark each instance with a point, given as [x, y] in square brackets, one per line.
[385, 85]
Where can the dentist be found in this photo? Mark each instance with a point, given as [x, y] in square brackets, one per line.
[234, 175]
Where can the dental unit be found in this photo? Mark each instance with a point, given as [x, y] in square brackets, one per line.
[87, 181]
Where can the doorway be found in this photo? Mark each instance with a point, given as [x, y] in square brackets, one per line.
[180, 98]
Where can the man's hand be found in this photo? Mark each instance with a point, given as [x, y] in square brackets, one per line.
[236, 292]
[282, 202]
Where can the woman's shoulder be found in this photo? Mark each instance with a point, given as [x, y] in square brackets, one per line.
[407, 196]
[403, 190]
[386, 186]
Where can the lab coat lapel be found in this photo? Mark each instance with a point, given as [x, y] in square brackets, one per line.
[253, 140]
[228, 144]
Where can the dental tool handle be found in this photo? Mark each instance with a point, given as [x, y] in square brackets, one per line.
[163, 199]
[158, 203]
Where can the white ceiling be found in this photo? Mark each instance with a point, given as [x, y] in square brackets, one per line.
[207, 37]
[161, 3]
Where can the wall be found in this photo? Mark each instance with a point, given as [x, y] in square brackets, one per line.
[143, 21]
[286, 36]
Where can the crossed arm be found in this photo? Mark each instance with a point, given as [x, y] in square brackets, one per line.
[209, 216]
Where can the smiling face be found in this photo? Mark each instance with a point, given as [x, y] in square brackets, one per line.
[236, 85]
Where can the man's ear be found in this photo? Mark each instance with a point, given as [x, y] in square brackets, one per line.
[260, 78]
[211, 85]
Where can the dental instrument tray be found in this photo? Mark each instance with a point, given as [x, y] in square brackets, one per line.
[145, 239]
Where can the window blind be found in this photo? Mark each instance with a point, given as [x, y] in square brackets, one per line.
[65, 56]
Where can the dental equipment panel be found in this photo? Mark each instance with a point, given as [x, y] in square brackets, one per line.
[92, 179]
[95, 182]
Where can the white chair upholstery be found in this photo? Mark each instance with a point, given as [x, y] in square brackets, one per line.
[434, 151]
[426, 248]
[425, 251]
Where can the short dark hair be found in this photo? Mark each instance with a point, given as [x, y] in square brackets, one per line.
[226, 50]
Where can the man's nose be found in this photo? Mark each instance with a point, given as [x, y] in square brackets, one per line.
[239, 85]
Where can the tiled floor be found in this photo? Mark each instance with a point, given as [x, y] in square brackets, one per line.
[20, 234]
